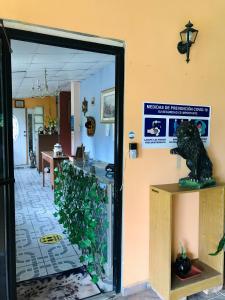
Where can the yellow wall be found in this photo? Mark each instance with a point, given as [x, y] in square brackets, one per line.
[48, 103]
[154, 71]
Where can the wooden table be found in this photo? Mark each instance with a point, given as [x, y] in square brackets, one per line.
[47, 156]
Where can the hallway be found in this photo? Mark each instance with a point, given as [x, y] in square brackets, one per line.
[34, 219]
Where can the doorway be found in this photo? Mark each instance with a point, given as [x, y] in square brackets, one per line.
[7, 256]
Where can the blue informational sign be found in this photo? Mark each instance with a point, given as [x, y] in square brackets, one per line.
[160, 122]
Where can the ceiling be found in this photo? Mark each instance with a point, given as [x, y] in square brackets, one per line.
[62, 65]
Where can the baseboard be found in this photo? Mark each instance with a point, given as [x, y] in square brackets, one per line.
[135, 288]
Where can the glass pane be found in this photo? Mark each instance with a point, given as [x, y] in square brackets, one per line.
[37, 127]
[193, 36]
[38, 119]
[38, 110]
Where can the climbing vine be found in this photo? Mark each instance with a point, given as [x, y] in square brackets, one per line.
[81, 209]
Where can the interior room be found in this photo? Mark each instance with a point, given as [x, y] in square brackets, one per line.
[63, 110]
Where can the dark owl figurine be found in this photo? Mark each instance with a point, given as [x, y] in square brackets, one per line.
[191, 148]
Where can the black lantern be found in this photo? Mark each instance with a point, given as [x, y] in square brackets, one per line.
[188, 37]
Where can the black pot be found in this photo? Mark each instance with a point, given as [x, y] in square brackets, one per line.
[182, 266]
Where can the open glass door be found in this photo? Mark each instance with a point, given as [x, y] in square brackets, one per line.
[7, 224]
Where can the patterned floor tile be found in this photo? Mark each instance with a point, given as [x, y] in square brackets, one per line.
[25, 239]
[24, 226]
[57, 251]
[41, 216]
[31, 271]
[34, 218]
[22, 210]
[46, 228]
[28, 257]
[21, 219]
[77, 250]
[64, 264]
[203, 296]
[144, 295]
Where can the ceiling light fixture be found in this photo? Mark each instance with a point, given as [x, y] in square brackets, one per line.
[42, 89]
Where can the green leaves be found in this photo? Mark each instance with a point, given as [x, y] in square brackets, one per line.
[82, 209]
[94, 279]
[85, 244]
[219, 247]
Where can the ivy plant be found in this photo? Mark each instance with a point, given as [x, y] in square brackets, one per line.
[81, 204]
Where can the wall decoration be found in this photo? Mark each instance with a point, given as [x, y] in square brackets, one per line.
[107, 114]
[19, 103]
[161, 120]
[191, 148]
[91, 126]
[84, 106]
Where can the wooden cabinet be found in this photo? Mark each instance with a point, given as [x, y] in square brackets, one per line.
[210, 230]
[45, 142]
[64, 110]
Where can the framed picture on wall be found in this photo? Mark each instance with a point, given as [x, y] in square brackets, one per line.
[19, 103]
[107, 113]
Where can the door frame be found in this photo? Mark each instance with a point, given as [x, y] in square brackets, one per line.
[118, 52]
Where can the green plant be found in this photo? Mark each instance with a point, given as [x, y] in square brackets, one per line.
[81, 204]
[183, 253]
[52, 122]
[219, 247]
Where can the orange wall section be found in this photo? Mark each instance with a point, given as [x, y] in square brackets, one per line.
[48, 103]
[154, 71]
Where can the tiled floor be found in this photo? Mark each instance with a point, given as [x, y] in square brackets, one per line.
[34, 218]
[151, 295]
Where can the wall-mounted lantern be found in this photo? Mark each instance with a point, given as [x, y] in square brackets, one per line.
[188, 37]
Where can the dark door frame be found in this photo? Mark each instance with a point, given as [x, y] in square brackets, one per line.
[118, 52]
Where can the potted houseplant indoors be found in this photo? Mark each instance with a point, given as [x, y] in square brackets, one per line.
[182, 264]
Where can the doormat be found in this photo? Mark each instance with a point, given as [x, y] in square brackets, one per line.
[69, 285]
[50, 239]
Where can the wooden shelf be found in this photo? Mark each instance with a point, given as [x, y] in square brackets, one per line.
[210, 228]
[174, 188]
[208, 278]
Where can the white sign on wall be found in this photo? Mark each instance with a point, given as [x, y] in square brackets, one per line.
[160, 122]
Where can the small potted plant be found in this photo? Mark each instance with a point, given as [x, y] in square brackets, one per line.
[183, 263]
